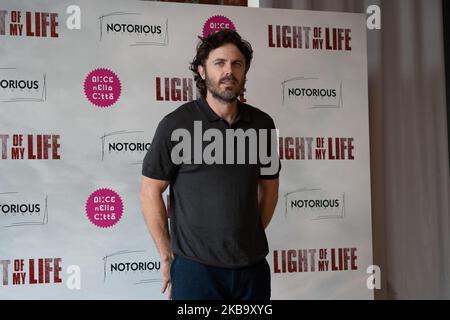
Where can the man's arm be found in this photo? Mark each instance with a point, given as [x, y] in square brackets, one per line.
[267, 199]
[155, 216]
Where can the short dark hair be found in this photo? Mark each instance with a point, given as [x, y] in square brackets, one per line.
[214, 41]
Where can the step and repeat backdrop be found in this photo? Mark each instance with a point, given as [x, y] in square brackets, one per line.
[83, 85]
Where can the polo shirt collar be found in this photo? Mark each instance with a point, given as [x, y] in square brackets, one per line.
[243, 112]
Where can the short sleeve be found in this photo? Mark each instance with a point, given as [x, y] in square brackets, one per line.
[272, 147]
[158, 162]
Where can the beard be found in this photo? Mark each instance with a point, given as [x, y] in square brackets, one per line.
[230, 93]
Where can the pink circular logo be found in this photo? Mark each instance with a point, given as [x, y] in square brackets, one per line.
[217, 23]
[104, 208]
[102, 87]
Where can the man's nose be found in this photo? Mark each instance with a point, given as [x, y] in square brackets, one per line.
[227, 69]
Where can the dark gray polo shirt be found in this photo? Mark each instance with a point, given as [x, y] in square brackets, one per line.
[214, 216]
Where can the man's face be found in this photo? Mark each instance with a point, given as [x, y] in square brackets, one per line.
[224, 72]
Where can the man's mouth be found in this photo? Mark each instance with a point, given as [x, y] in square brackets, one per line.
[228, 82]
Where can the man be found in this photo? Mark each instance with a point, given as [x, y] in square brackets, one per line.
[216, 246]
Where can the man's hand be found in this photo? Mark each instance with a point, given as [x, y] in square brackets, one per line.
[166, 283]
[155, 216]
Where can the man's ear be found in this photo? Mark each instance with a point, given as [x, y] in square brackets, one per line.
[201, 71]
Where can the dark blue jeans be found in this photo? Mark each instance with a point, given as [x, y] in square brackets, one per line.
[192, 280]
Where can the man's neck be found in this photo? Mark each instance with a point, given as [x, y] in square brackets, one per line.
[226, 110]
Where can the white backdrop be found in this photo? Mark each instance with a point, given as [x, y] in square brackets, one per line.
[316, 96]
